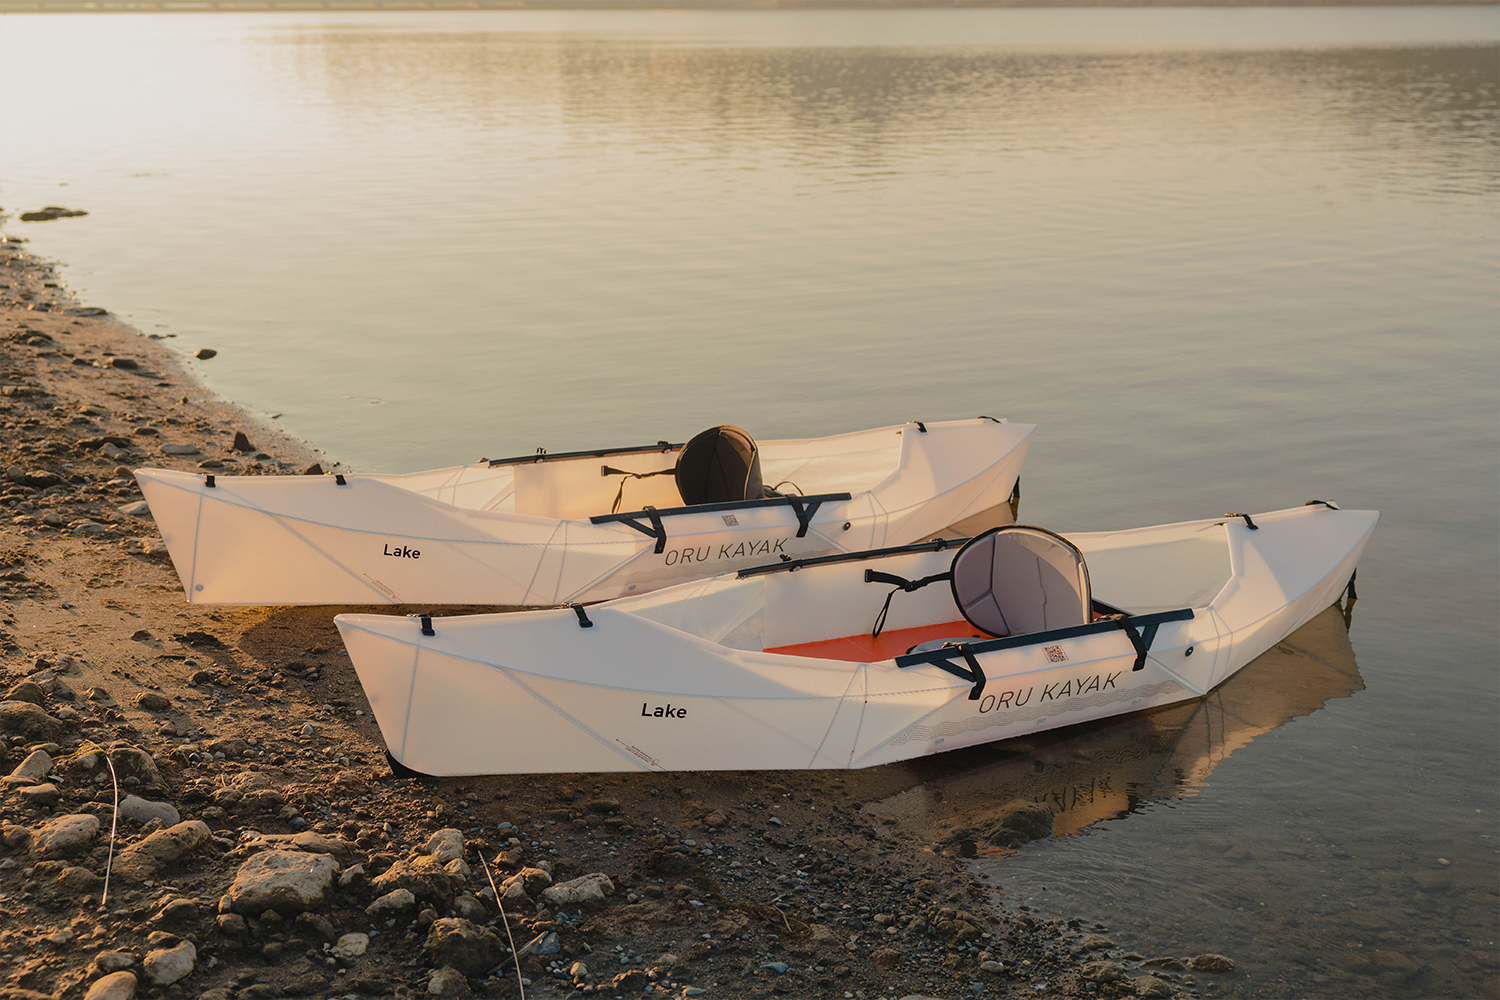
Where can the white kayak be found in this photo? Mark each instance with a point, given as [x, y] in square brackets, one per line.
[1017, 631]
[582, 526]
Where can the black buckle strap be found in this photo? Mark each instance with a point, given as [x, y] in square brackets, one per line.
[657, 530]
[606, 471]
[974, 673]
[804, 508]
[901, 583]
[1141, 640]
[1248, 523]
[583, 618]
[426, 622]
[208, 481]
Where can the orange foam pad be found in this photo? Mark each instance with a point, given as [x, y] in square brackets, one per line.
[894, 642]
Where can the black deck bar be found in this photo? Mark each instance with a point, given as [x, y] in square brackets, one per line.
[1036, 638]
[936, 545]
[810, 502]
[660, 446]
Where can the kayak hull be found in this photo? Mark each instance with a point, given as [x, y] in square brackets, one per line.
[473, 534]
[690, 678]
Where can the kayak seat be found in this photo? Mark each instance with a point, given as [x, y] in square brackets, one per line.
[1019, 579]
[1011, 580]
[720, 465]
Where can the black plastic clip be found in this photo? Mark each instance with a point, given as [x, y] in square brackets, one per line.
[208, 481]
[1248, 523]
[541, 453]
[583, 617]
[1140, 640]
[920, 426]
[339, 480]
[974, 673]
[804, 512]
[657, 530]
[426, 622]
[1326, 503]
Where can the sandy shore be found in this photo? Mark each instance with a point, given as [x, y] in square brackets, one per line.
[237, 729]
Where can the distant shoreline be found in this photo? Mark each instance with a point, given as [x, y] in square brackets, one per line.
[367, 6]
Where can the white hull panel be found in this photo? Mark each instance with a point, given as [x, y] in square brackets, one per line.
[522, 533]
[682, 679]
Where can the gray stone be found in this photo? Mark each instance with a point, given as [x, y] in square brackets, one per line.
[1152, 988]
[1102, 972]
[448, 982]
[352, 945]
[153, 701]
[307, 840]
[114, 961]
[992, 966]
[233, 924]
[445, 845]
[44, 796]
[584, 892]
[22, 718]
[145, 859]
[1211, 963]
[460, 943]
[424, 876]
[180, 449]
[38, 764]
[79, 881]
[286, 881]
[394, 902]
[1095, 942]
[138, 509]
[132, 762]
[470, 908]
[165, 966]
[139, 810]
[64, 835]
[1020, 822]
[27, 691]
[115, 986]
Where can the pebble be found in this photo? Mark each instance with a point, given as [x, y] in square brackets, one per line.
[587, 891]
[139, 810]
[352, 945]
[64, 835]
[114, 961]
[284, 881]
[204, 353]
[396, 901]
[167, 965]
[42, 796]
[180, 449]
[115, 986]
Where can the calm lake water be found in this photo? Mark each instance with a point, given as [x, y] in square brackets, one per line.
[1227, 259]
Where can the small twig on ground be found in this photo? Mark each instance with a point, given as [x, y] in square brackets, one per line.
[496, 890]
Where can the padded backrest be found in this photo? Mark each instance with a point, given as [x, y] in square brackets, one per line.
[1019, 579]
[719, 465]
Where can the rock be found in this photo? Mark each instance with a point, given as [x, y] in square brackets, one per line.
[992, 966]
[115, 986]
[448, 982]
[312, 926]
[180, 449]
[776, 967]
[233, 924]
[1102, 972]
[446, 845]
[27, 691]
[114, 961]
[1095, 942]
[1211, 963]
[633, 981]
[133, 762]
[393, 902]
[309, 841]
[1393, 962]
[585, 892]
[284, 881]
[51, 212]
[128, 364]
[139, 810]
[79, 882]
[352, 945]
[1152, 988]
[425, 877]
[470, 908]
[43, 796]
[1433, 881]
[143, 860]
[64, 835]
[37, 765]
[460, 943]
[242, 443]
[138, 509]
[885, 958]
[153, 701]
[204, 353]
[309, 984]
[178, 910]
[1021, 822]
[23, 718]
[165, 966]
[578, 970]
[316, 469]
[531, 881]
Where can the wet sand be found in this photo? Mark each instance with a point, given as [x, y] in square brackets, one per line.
[252, 726]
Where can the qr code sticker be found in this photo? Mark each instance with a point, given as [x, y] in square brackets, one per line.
[730, 519]
[1055, 654]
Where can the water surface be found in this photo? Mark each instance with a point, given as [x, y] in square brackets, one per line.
[1227, 259]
